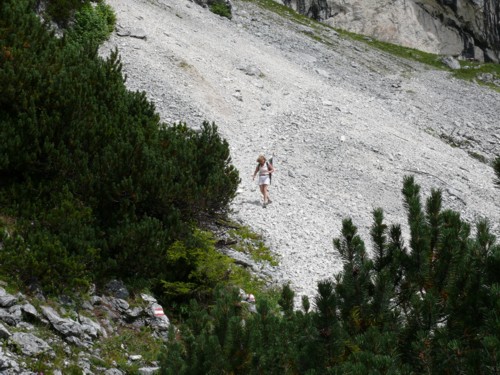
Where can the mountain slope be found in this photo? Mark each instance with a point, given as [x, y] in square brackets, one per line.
[345, 122]
[457, 27]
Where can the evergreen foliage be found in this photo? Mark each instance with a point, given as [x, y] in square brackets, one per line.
[496, 168]
[431, 308]
[92, 24]
[62, 11]
[221, 8]
[99, 186]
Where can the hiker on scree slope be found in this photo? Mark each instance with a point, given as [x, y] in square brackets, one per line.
[264, 169]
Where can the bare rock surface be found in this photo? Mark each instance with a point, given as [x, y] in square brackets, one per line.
[60, 337]
[468, 28]
[345, 122]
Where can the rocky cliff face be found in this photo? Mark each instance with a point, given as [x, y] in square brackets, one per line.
[467, 28]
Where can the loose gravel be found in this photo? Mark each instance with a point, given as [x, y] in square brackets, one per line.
[344, 122]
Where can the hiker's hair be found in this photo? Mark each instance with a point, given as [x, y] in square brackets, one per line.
[261, 158]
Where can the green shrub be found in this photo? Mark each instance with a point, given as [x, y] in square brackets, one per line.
[139, 341]
[221, 8]
[92, 24]
[108, 187]
[39, 257]
[198, 263]
[426, 307]
[62, 11]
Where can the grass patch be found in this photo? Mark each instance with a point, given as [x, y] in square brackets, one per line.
[284, 11]
[251, 243]
[292, 15]
[7, 282]
[496, 168]
[129, 342]
[248, 282]
[244, 233]
[472, 71]
[261, 252]
[396, 50]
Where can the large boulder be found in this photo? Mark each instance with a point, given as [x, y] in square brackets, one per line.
[29, 344]
[65, 326]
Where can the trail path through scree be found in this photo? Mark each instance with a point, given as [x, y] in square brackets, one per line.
[345, 123]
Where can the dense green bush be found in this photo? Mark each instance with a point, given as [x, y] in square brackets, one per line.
[86, 166]
[62, 11]
[198, 263]
[92, 24]
[429, 306]
[221, 8]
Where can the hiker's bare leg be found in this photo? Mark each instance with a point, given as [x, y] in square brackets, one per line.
[263, 189]
[268, 200]
[265, 193]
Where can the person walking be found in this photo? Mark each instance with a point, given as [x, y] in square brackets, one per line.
[264, 169]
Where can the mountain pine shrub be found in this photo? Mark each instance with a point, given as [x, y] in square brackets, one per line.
[221, 8]
[62, 11]
[92, 24]
[93, 177]
[429, 306]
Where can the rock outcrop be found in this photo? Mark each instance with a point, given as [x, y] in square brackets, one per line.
[466, 28]
[29, 335]
[35, 338]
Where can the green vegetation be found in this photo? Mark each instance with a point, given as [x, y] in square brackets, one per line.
[249, 242]
[92, 185]
[221, 8]
[198, 263]
[286, 12]
[428, 306]
[496, 168]
[62, 11]
[116, 348]
[92, 25]
[471, 71]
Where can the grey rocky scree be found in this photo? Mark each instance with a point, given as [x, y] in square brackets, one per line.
[346, 122]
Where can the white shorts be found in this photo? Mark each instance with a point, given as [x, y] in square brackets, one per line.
[264, 180]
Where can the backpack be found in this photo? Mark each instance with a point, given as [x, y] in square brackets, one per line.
[270, 161]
